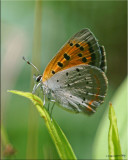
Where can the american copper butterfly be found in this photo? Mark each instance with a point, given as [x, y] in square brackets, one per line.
[75, 78]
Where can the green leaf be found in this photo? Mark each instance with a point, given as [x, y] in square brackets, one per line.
[119, 101]
[62, 145]
[114, 147]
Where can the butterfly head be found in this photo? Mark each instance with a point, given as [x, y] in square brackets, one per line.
[37, 78]
[38, 82]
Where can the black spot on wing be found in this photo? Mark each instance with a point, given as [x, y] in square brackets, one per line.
[77, 69]
[80, 55]
[60, 64]
[68, 85]
[66, 56]
[53, 72]
[83, 98]
[81, 48]
[66, 73]
[84, 59]
[77, 45]
[71, 44]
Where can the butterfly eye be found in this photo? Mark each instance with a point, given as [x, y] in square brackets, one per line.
[38, 78]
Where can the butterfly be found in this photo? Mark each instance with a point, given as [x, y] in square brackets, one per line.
[75, 78]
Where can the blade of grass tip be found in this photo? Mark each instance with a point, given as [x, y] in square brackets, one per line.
[62, 145]
[114, 147]
[36, 57]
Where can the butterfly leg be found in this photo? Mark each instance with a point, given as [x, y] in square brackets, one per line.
[48, 105]
[44, 100]
[42, 94]
[35, 87]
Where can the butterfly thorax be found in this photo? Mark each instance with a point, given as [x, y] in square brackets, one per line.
[48, 92]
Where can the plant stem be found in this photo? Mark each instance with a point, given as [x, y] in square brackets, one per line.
[32, 144]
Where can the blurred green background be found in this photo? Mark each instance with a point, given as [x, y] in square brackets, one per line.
[60, 20]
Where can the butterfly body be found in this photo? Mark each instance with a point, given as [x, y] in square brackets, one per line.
[75, 78]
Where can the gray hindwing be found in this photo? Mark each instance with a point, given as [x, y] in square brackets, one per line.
[79, 89]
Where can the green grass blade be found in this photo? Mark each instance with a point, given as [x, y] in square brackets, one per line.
[100, 147]
[114, 147]
[62, 145]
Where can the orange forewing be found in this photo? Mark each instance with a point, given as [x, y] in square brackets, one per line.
[82, 48]
[74, 60]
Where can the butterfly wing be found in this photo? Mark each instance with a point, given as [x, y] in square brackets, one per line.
[78, 89]
[82, 48]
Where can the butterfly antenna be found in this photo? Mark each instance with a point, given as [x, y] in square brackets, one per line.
[31, 64]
